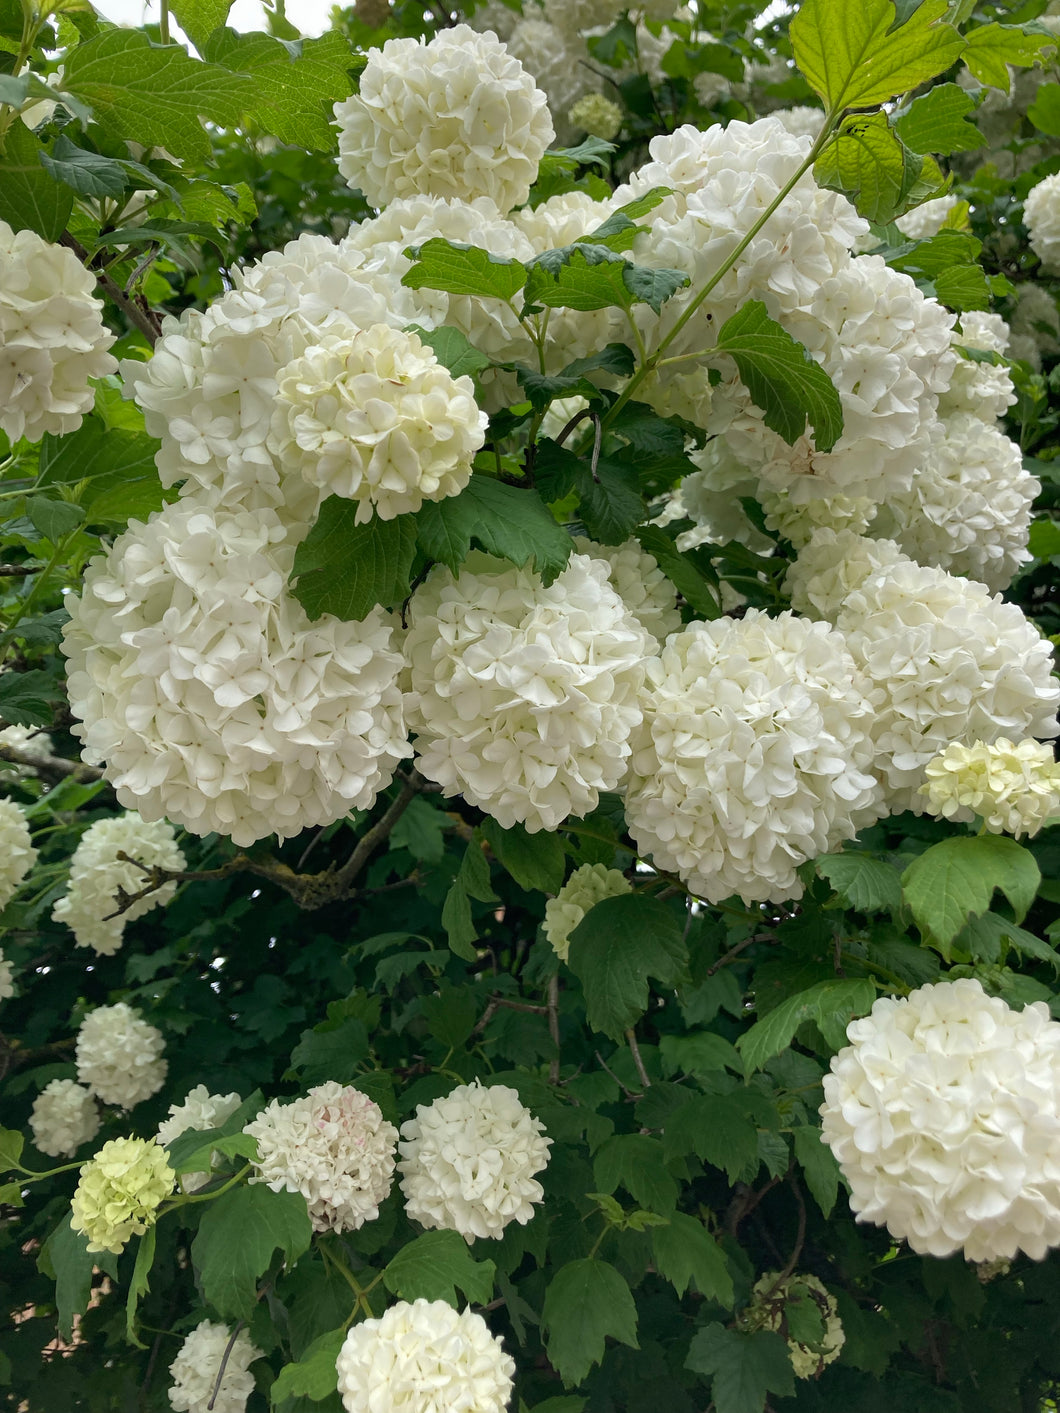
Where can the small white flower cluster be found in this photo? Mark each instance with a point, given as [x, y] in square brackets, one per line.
[1013, 786]
[119, 1056]
[52, 337]
[928, 218]
[553, 54]
[63, 1117]
[1041, 215]
[944, 1115]
[334, 1147]
[1035, 324]
[588, 885]
[194, 1371]
[97, 873]
[424, 1357]
[770, 1300]
[17, 854]
[468, 1161]
[199, 1110]
[597, 116]
[31, 742]
[980, 387]
[7, 978]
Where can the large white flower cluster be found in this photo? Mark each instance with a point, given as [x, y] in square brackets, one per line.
[52, 337]
[755, 755]
[642, 586]
[944, 1114]
[458, 117]
[981, 388]
[555, 55]
[210, 696]
[334, 1147]
[119, 1192]
[17, 854]
[199, 1110]
[523, 696]
[771, 1298]
[97, 873]
[468, 1161]
[1041, 215]
[63, 1117]
[588, 885]
[827, 570]
[424, 1357]
[194, 1371]
[119, 1055]
[1013, 786]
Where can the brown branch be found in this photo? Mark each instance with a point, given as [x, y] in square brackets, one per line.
[224, 1365]
[135, 308]
[553, 1027]
[731, 956]
[496, 1002]
[627, 1092]
[634, 1050]
[52, 768]
[16, 571]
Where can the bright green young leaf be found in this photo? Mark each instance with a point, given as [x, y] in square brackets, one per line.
[585, 1302]
[506, 521]
[30, 197]
[854, 57]
[828, 1000]
[313, 1376]
[591, 150]
[862, 882]
[989, 49]
[26, 697]
[295, 83]
[348, 569]
[946, 251]
[452, 349]
[869, 163]
[237, 1238]
[615, 948]
[956, 878]
[140, 1283]
[11, 1145]
[781, 377]
[963, 288]
[938, 122]
[1044, 539]
[199, 18]
[435, 1266]
[636, 1162]
[819, 1167]
[745, 1368]
[463, 269]
[535, 861]
[685, 1252]
[11, 1194]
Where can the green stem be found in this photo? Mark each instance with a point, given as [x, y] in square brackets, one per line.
[597, 1243]
[32, 1176]
[892, 978]
[42, 578]
[187, 1198]
[163, 21]
[361, 1292]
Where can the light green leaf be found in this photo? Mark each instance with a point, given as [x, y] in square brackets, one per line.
[862, 882]
[314, 1376]
[956, 878]
[585, 1302]
[615, 948]
[579, 276]
[199, 18]
[463, 269]
[435, 1266]
[1044, 539]
[347, 569]
[938, 122]
[745, 1368]
[819, 1167]
[506, 521]
[828, 1000]
[294, 83]
[139, 1284]
[685, 1252]
[53, 518]
[781, 377]
[984, 937]
[94, 451]
[868, 162]
[452, 349]
[1044, 112]
[30, 198]
[636, 1162]
[191, 1150]
[989, 49]
[535, 861]
[237, 1238]
[11, 1145]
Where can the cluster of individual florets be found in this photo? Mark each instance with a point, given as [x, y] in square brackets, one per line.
[17, 854]
[777, 1303]
[211, 1373]
[119, 1056]
[119, 1192]
[1013, 786]
[63, 1117]
[588, 885]
[200, 1110]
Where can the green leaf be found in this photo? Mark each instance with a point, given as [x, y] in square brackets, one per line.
[653, 287]
[108, 456]
[11, 1195]
[956, 878]
[718, 1128]
[1044, 539]
[854, 57]
[199, 18]
[314, 1376]
[463, 269]
[636, 1162]
[693, 586]
[331, 1051]
[781, 377]
[700, 1053]
[26, 697]
[966, 287]
[862, 882]
[66, 1258]
[685, 1252]
[989, 49]
[87, 173]
[347, 569]
[871, 165]
[154, 94]
[236, 1240]
[535, 861]
[615, 948]
[579, 276]
[827, 1001]
[591, 150]
[452, 349]
[931, 258]
[819, 1167]
[1044, 112]
[744, 1367]
[53, 518]
[139, 1284]
[585, 1302]
[611, 506]
[30, 198]
[437, 1264]
[506, 521]
[11, 1144]
[938, 122]
[472, 881]
[421, 830]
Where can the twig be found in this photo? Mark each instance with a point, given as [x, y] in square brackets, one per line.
[494, 1004]
[53, 768]
[553, 1027]
[411, 786]
[800, 1237]
[634, 1050]
[627, 1092]
[137, 311]
[731, 955]
[16, 571]
[224, 1365]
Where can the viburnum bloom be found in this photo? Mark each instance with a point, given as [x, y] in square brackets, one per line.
[831, 565]
[17, 854]
[194, 1371]
[376, 418]
[424, 1357]
[770, 1309]
[52, 337]
[31, 742]
[587, 886]
[7, 972]
[944, 1115]
[334, 1147]
[523, 696]
[1041, 215]
[926, 219]
[97, 873]
[455, 117]
[642, 586]
[199, 1110]
[468, 1161]
[755, 755]
[119, 1192]
[1013, 786]
[978, 386]
[63, 1117]
[119, 1056]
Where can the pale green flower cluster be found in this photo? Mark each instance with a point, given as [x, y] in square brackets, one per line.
[119, 1192]
[1013, 787]
[586, 887]
[771, 1308]
[596, 115]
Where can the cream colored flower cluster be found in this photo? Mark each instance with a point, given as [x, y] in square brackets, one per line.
[944, 1114]
[199, 1110]
[641, 585]
[427, 1357]
[334, 1147]
[52, 337]
[119, 1056]
[1013, 786]
[97, 873]
[1041, 215]
[770, 1299]
[7, 978]
[588, 885]
[468, 1161]
[194, 1371]
[17, 854]
[35, 744]
[119, 1192]
[63, 1117]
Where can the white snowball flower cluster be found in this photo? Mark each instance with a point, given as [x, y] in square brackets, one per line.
[52, 337]
[424, 1357]
[119, 1192]
[7, 975]
[1041, 215]
[1035, 324]
[119, 1056]
[376, 418]
[927, 219]
[642, 586]
[97, 873]
[827, 570]
[210, 696]
[63, 1117]
[1013, 786]
[944, 1114]
[457, 117]
[555, 58]
[334, 1147]
[754, 755]
[983, 389]
[17, 854]
[27, 739]
[524, 697]
[468, 1161]
[588, 885]
[801, 121]
[194, 1371]
[199, 1110]
[770, 1300]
